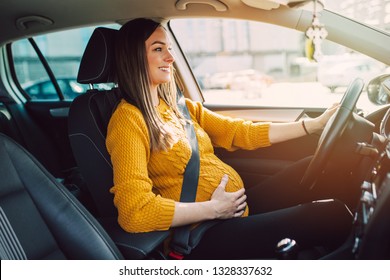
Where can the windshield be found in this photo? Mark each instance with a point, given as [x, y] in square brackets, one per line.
[253, 63]
[375, 13]
[244, 62]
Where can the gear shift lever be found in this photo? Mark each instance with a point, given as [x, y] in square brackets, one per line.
[287, 249]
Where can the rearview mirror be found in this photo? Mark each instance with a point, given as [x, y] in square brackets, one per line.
[378, 90]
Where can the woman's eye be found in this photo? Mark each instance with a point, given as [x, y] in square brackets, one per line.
[158, 49]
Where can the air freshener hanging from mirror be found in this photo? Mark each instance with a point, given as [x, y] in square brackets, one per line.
[315, 34]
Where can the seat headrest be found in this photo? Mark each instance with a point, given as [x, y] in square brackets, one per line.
[97, 63]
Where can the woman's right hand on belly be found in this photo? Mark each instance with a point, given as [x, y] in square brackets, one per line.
[228, 204]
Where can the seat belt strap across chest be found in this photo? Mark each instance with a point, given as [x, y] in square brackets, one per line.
[180, 241]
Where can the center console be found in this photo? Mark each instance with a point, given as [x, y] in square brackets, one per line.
[371, 222]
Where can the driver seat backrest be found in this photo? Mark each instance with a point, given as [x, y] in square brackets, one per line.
[40, 218]
[89, 116]
[88, 120]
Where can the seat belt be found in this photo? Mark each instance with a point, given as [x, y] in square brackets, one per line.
[180, 242]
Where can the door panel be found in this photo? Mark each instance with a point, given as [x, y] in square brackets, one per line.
[265, 115]
[52, 119]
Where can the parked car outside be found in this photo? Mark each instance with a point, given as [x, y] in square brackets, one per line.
[336, 75]
[45, 90]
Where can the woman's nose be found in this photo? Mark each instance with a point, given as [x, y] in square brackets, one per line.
[169, 57]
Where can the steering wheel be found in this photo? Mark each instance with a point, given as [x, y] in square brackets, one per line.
[332, 132]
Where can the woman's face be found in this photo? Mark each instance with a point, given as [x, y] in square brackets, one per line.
[160, 59]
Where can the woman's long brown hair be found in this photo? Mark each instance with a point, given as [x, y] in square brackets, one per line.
[134, 81]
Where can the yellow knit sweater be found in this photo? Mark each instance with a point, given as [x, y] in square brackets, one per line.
[146, 183]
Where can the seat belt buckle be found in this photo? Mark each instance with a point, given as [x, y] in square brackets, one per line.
[175, 255]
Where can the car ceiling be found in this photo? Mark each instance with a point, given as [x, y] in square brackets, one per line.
[74, 13]
[70, 13]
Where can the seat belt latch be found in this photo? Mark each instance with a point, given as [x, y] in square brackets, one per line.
[175, 255]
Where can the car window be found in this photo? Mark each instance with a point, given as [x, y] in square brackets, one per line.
[251, 63]
[62, 52]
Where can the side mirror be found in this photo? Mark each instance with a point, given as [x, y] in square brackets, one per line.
[378, 90]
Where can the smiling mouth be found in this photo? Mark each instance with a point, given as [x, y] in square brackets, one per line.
[165, 69]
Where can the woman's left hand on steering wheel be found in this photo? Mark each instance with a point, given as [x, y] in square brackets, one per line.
[324, 117]
[317, 124]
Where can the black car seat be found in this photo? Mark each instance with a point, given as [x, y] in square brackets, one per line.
[89, 115]
[40, 218]
[5, 127]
